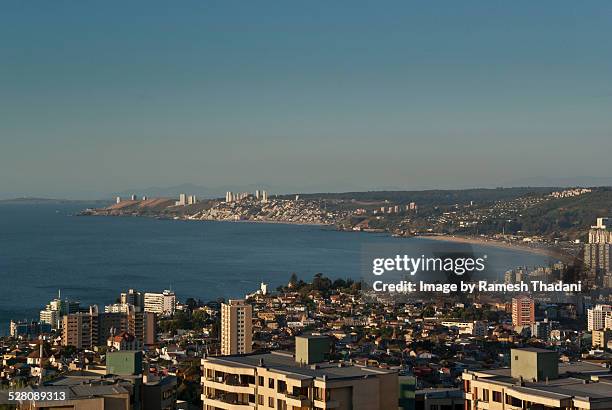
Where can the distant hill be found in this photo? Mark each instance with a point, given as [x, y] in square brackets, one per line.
[435, 196]
[571, 215]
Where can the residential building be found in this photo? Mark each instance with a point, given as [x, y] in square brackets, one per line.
[473, 328]
[133, 297]
[123, 341]
[282, 381]
[236, 327]
[523, 311]
[597, 251]
[160, 303]
[28, 330]
[56, 309]
[601, 338]
[536, 380]
[596, 317]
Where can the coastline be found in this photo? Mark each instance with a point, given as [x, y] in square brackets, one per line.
[258, 221]
[497, 244]
[551, 252]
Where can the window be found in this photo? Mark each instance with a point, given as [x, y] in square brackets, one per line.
[260, 399]
[485, 395]
[271, 402]
[497, 396]
[271, 383]
[260, 381]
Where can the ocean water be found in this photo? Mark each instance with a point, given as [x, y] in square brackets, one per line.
[44, 248]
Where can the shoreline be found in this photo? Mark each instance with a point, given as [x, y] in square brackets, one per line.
[497, 244]
[472, 240]
[258, 222]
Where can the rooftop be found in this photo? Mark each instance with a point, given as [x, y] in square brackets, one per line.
[285, 363]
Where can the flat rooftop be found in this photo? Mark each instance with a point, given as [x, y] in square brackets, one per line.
[285, 363]
[569, 383]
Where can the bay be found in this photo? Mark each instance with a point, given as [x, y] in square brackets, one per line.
[45, 248]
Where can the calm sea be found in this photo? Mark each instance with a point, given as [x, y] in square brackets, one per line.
[44, 248]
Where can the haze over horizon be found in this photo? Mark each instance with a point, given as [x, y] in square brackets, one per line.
[99, 98]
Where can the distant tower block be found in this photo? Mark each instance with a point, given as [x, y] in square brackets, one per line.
[257, 194]
[118, 199]
[133, 197]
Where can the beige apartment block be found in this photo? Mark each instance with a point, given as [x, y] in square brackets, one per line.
[281, 381]
[533, 383]
[236, 327]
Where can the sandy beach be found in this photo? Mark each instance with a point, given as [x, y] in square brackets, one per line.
[500, 244]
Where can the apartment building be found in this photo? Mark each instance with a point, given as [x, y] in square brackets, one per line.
[523, 311]
[601, 339]
[84, 330]
[160, 303]
[473, 328]
[536, 380]
[596, 317]
[79, 330]
[284, 381]
[132, 297]
[236, 327]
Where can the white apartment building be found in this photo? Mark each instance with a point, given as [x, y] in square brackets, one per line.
[161, 303]
[473, 328]
[596, 317]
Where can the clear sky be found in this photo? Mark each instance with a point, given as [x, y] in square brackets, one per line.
[102, 96]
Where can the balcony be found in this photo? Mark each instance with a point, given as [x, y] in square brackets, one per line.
[297, 400]
[229, 385]
[226, 403]
[330, 404]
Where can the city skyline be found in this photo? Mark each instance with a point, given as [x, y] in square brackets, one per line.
[313, 97]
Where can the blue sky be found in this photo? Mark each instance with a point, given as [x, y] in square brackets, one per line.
[99, 97]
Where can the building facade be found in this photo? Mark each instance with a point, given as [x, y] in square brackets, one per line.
[523, 311]
[236, 327]
[281, 381]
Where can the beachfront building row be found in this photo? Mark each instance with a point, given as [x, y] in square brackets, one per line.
[304, 380]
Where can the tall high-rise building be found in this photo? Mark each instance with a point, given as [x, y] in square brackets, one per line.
[57, 308]
[140, 324]
[523, 311]
[596, 317]
[133, 297]
[600, 232]
[161, 303]
[79, 330]
[236, 327]
[85, 330]
[264, 196]
[597, 252]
